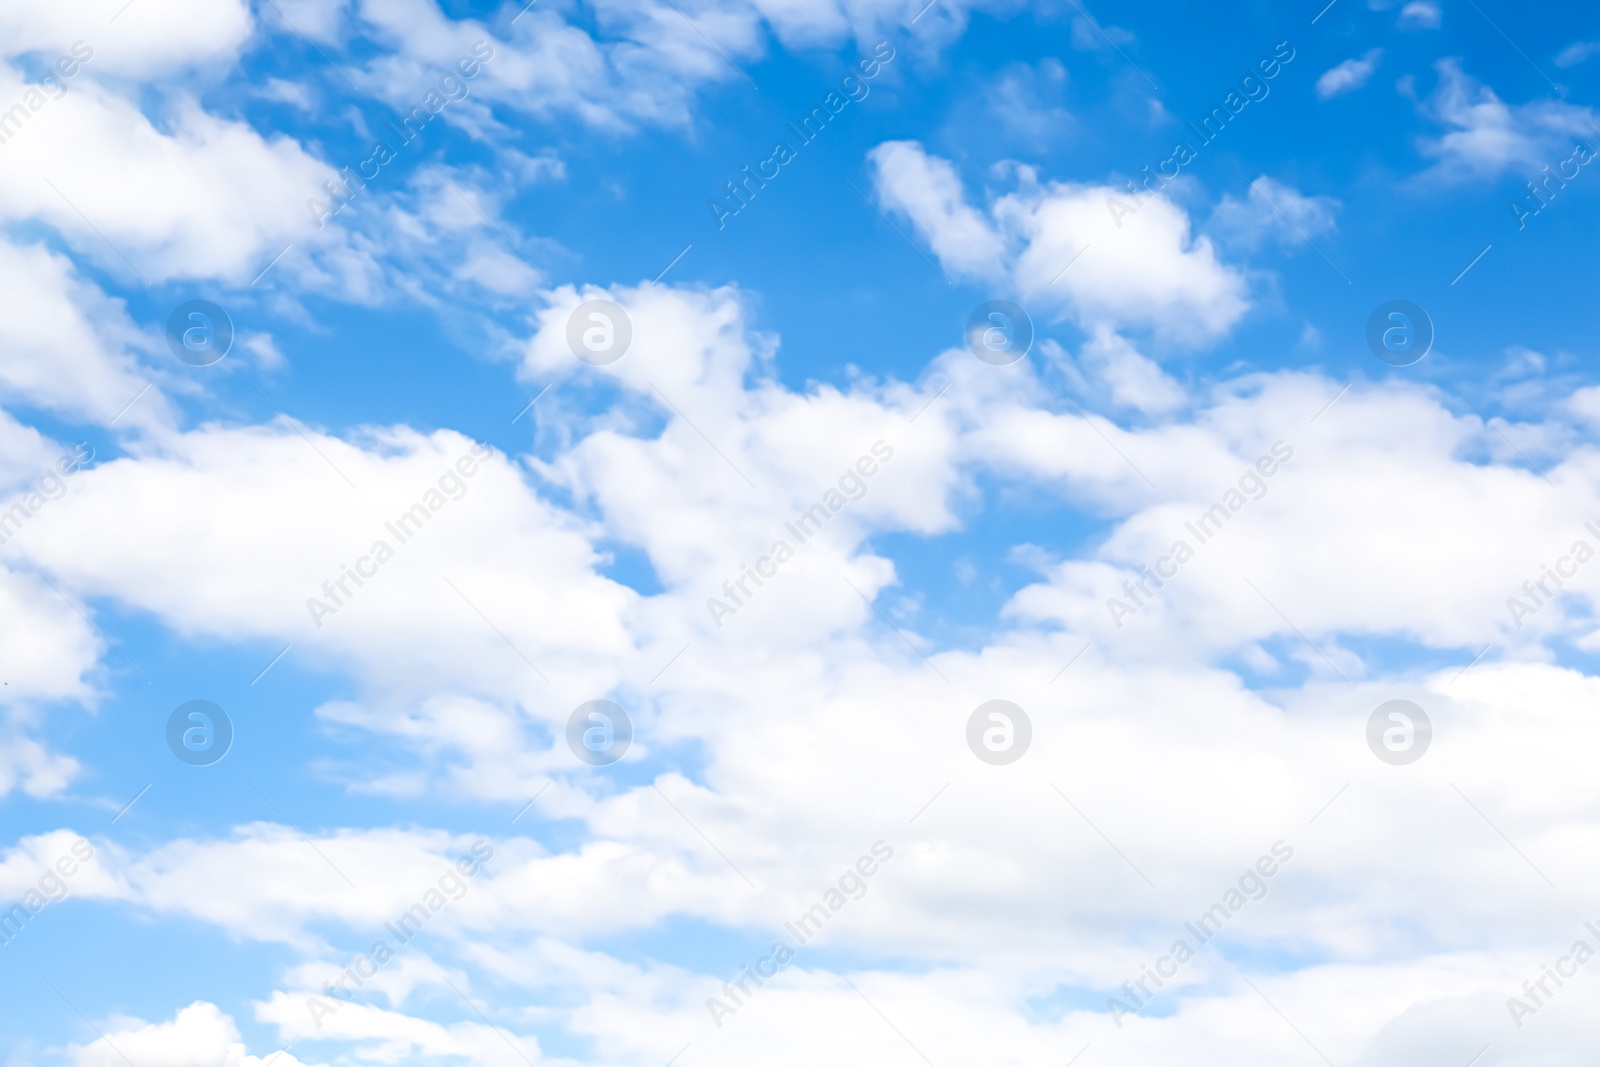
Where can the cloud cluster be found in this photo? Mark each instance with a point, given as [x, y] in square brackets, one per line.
[1170, 748]
[1150, 738]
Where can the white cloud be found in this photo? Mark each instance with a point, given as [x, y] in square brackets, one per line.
[1420, 15]
[1092, 37]
[30, 766]
[640, 61]
[382, 1035]
[1348, 76]
[199, 1035]
[928, 190]
[263, 349]
[1133, 379]
[296, 94]
[1027, 99]
[174, 211]
[1577, 52]
[143, 40]
[1142, 267]
[1273, 210]
[1487, 136]
[272, 499]
[1585, 403]
[646, 69]
[51, 648]
[1141, 270]
[68, 345]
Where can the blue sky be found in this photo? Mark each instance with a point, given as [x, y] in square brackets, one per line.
[1002, 545]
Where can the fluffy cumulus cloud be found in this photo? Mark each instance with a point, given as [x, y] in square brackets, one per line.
[175, 211]
[74, 106]
[1143, 266]
[425, 525]
[137, 40]
[197, 1034]
[928, 190]
[75, 353]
